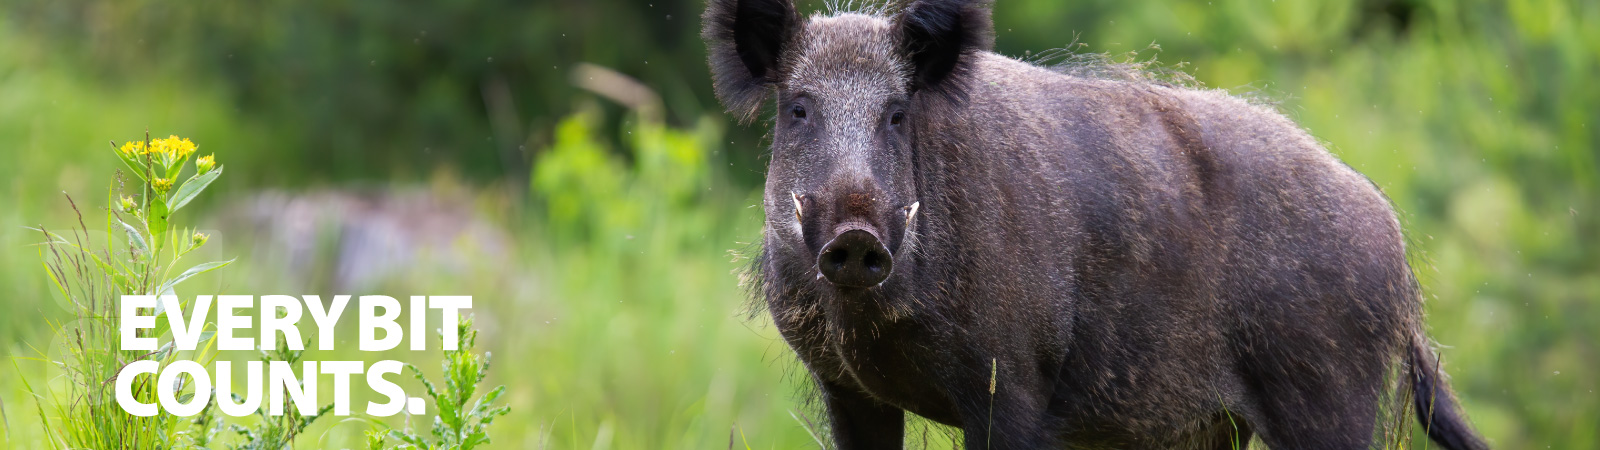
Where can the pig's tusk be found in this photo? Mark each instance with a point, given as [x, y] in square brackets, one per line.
[911, 211]
[798, 210]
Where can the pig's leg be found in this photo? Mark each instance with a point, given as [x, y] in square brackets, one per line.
[860, 422]
[1010, 415]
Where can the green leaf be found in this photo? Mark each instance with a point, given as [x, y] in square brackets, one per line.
[407, 438]
[134, 164]
[60, 286]
[161, 354]
[192, 187]
[136, 239]
[474, 439]
[196, 270]
[157, 222]
[117, 277]
[428, 385]
[205, 341]
[483, 402]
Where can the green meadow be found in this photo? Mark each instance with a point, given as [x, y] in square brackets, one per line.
[464, 149]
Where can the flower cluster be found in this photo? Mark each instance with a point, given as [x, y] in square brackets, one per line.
[172, 147]
[134, 148]
[158, 164]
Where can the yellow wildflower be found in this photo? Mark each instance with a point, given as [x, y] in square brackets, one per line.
[205, 163]
[133, 148]
[162, 184]
[178, 147]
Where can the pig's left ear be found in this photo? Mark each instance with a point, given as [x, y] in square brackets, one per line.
[940, 37]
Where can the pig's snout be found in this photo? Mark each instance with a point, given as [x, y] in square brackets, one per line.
[856, 257]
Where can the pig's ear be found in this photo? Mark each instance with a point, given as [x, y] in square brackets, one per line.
[940, 37]
[745, 39]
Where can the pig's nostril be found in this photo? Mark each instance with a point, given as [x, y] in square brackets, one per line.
[856, 258]
[871, 261]
[838, 258]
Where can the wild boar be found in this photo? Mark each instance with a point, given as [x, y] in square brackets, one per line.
[1044, 259]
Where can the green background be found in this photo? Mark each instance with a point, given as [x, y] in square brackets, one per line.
[602, 247]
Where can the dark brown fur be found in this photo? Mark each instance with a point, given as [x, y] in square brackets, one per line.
[1139, 265]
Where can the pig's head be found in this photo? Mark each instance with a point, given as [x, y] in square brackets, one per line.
[853, 94]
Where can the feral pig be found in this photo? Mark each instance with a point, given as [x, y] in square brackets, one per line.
[1048, 260]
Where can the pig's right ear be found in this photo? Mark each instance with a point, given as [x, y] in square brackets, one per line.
[744, 39]
[941, 37]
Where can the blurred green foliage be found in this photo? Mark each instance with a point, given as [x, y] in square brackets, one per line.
[598, 195]
[366, 88]
[1477, 118]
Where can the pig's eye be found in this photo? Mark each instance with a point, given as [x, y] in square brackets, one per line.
[797, 111]
[896, 118]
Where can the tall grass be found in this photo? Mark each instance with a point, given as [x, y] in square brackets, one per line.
[92, 276]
